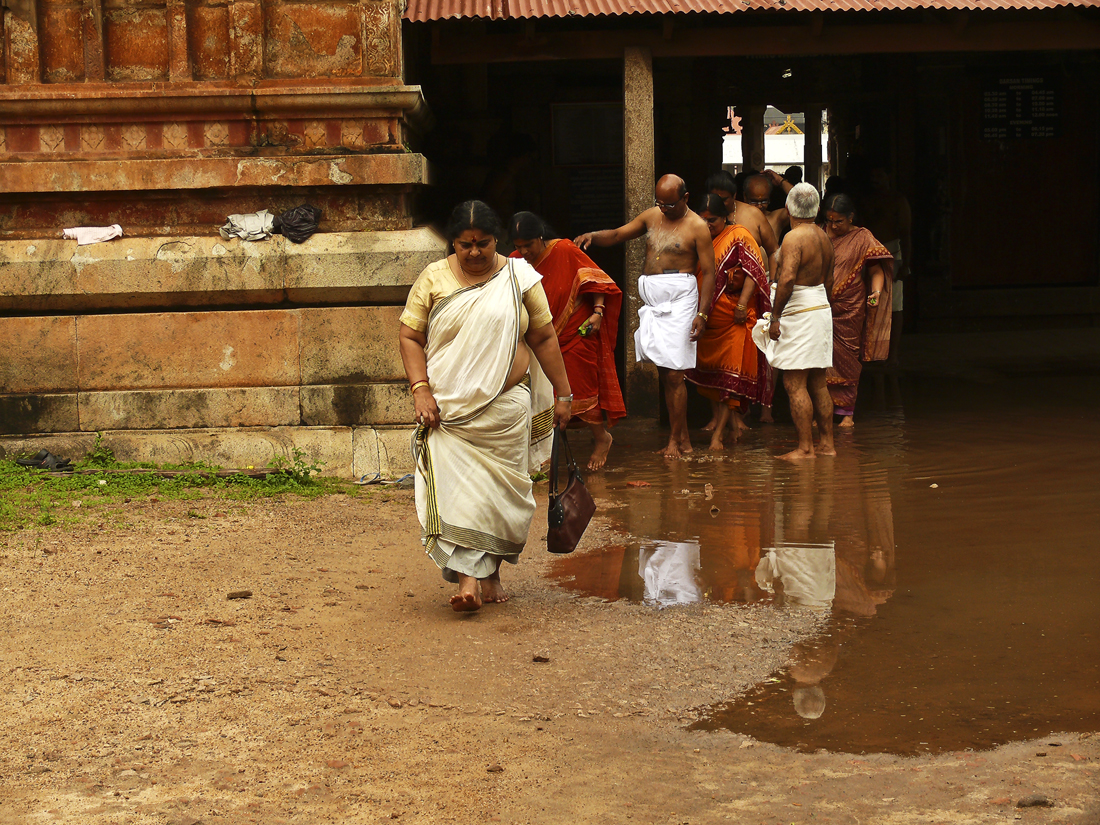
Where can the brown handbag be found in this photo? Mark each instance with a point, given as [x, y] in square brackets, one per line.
[571, 509]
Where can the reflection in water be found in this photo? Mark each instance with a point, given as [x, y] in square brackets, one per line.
[668, 571]
[802, 575]
[963, 612]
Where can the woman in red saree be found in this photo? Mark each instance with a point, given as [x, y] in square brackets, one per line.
[863, 271]
[729, 369]
[585, 304]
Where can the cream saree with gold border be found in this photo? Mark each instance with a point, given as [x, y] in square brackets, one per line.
[473, 488]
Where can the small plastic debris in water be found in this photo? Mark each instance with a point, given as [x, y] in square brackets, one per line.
[638, 484]
[933, 486]
[714, 511]
[708, 491]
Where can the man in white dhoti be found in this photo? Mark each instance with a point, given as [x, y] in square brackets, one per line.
[676, 305]
[803, 346]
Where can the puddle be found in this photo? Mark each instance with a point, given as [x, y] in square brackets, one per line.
[955, 549]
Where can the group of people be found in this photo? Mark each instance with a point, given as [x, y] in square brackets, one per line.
[500, 350]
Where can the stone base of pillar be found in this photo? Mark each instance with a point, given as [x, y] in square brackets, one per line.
[343, 452]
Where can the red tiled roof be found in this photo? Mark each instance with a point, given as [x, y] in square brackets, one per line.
[423, 10]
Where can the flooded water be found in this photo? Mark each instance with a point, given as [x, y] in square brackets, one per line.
[954, 547]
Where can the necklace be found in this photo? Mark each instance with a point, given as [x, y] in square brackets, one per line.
[467, 278]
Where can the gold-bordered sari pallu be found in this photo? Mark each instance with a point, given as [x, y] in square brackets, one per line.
[473, 488]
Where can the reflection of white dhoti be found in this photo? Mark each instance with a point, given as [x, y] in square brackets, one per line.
[894, 248]
[663, 336]
[806, 331]
[808, 573]
[668, 571]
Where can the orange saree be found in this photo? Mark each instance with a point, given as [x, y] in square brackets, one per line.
[729, 368]
[860, 333]
[570, 279]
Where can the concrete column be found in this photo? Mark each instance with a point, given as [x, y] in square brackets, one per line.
[752, 138]
[638, 177]
[812, 158]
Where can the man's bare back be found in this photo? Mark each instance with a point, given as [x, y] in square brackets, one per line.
[806, 258]
[754, 220]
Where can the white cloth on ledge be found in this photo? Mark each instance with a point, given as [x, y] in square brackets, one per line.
[84, 235]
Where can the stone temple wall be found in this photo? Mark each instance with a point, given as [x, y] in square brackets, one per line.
[174, 344]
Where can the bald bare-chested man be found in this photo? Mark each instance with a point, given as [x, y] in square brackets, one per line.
[800, 334]
[676, 305]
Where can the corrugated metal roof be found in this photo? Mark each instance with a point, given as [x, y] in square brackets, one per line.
[423, 10]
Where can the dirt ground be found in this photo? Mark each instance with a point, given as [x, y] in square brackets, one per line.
[345, 690]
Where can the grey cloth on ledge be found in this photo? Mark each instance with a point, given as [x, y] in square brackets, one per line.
[255, 226]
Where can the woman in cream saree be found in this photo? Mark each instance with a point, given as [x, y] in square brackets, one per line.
[485, 408]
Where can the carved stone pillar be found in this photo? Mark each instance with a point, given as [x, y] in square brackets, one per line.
[246, 40]
[91, 17]
[179, 60]
[638, 174]
[21, 54]
[381, 38]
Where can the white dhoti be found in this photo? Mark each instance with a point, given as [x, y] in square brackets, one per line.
[806, 331]
[663, 336]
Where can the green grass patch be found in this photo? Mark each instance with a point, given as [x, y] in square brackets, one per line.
[30, 498]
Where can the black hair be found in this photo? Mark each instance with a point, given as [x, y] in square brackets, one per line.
[793, 174]
[473, 215]
[842, 204]
[835, 184]
[527, 226]
[713, 204]
[721, 180]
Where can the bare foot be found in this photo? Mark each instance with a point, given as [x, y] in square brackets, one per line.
[766, 416]
[716, 444]
[710, 425]
[797, 455]
[846, 422]
[600, 451]
[468, 597]
[671, 451]
[491, 590]
[829, 450]
[737, 423]
[685, 446]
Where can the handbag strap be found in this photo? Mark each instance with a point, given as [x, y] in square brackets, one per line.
[560, 441]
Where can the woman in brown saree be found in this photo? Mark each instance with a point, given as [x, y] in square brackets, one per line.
[861, 300]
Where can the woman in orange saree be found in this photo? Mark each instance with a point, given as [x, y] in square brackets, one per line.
[585, 303]
[863, 276]
[730, 370]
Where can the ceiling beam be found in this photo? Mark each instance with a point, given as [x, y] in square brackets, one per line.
[777, 41]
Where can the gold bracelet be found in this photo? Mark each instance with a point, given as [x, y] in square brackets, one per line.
[702, 315]
[413, 388]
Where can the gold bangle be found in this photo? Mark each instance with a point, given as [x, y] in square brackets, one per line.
[702, 315]
[414, 387]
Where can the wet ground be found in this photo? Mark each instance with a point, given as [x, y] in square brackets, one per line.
[954, 543]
